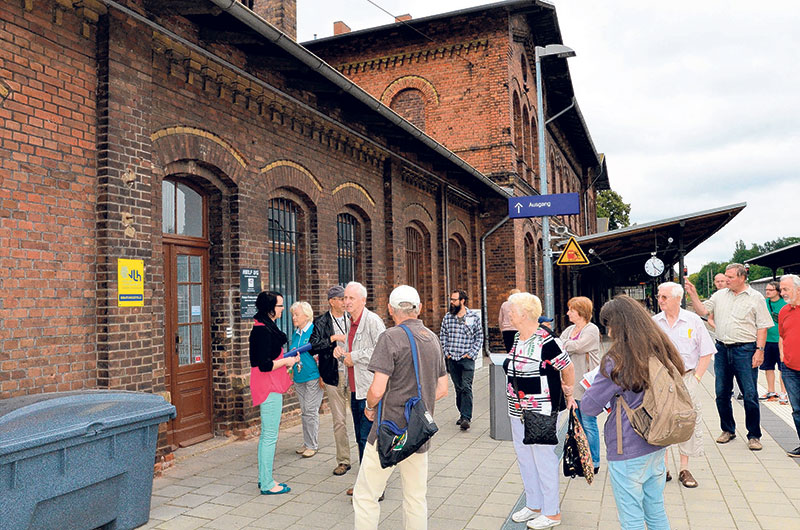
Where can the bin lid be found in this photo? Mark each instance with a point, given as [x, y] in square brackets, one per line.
[37, 420]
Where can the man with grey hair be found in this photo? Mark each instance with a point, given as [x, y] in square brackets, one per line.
[365, 327]
[742, 320]
[394, 383]
[789, 345]
[690, 337]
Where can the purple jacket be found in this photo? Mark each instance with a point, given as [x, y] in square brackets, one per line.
[602, 391]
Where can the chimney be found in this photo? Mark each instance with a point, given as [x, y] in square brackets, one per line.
[403, 18]
[340, 28]
[280, 13]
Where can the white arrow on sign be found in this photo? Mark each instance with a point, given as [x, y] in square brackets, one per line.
[518, 207]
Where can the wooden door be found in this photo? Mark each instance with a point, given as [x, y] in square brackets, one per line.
[188, 341]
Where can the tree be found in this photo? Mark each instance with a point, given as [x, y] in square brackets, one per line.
[611, 205]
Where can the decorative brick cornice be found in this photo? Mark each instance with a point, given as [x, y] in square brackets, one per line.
[418, 180]
[221, 82]
[357, 187]
[460, 202]
[391, 61]
[181, 129]
[298, 167]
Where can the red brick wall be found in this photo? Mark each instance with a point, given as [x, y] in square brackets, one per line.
[47, 197]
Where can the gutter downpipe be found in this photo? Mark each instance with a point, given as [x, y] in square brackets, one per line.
[485, 302]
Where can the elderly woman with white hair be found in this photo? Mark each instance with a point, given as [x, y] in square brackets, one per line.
[540, 378]
[306, 379]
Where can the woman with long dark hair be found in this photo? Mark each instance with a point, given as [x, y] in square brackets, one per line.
[637, 471]
[268, 381]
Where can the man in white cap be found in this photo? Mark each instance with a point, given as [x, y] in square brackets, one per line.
[394, 382]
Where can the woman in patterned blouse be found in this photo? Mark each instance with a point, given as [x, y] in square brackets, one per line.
[544, 377]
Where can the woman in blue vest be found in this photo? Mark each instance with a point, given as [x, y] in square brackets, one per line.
[307, 383]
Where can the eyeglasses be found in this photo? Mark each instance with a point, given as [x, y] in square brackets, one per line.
[278, 305]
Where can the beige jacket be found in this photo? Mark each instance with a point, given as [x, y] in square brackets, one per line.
[369, 329]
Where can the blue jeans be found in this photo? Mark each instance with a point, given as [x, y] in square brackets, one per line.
[270, 410]
[589, 424]
[361, 424]
[462, 372]
[638, 486]
[730, 362]
[791, 380]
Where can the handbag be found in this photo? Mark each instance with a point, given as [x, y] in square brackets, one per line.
[577, 457]
[539, 428]
[395, 444]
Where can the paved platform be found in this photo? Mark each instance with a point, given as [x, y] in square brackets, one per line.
[474, 482]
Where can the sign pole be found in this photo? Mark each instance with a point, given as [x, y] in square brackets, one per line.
[547, 258]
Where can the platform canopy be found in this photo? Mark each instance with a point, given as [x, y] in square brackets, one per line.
[786, 258]
[622, 253]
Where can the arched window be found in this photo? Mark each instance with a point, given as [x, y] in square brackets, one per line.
[414, 257]
[517, 132]
[535, 151]
[418, 267]
[181, 210]
[526, 143]
[524, 67]
[457, 253]
[347, 241]
[410, 104]
[284, 255]
[530, 265]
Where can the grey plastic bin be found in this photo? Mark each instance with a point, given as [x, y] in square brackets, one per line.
[78, 460]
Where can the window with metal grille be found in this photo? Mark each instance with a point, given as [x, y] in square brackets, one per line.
[414, 248]
[458, 262]
[284, 255]
[347, 245]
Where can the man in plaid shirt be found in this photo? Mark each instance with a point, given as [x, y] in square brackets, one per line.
[461, 336]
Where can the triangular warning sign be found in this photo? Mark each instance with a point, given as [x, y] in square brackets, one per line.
[572, 254]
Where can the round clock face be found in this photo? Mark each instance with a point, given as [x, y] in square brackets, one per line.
[654, 266]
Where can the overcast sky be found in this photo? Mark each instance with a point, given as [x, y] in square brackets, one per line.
[696, 104]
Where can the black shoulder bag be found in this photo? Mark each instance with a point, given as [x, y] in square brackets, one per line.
[539, 428]
[395, 444]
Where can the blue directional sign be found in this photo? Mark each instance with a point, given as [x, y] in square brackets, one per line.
[541, 205]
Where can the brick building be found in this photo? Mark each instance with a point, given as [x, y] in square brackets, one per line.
[204, 142]
[467, 78]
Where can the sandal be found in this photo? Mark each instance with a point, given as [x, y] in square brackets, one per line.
[685, 477]
[284, 489]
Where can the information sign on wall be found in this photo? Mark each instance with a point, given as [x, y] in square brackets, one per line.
[249, 287]
[130, 282]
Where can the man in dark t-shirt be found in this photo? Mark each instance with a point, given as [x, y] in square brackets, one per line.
[394, 383]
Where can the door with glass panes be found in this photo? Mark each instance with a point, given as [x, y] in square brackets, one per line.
[187, 323]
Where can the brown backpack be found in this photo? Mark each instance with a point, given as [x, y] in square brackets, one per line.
[666, 415]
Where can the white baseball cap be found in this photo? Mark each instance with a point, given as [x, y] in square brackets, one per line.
[404, 293]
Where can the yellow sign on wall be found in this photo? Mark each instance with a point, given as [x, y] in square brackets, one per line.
[130, 282]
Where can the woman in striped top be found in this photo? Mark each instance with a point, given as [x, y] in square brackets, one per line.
[544, 377]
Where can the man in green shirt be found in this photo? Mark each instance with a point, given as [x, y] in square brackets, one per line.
[772, 355]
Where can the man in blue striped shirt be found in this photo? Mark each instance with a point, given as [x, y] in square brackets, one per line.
[461, 336]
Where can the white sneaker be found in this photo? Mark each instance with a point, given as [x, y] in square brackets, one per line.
[524, 514]
[543, 522]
